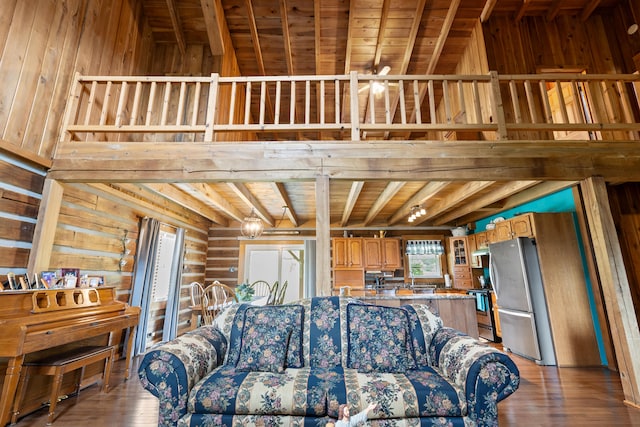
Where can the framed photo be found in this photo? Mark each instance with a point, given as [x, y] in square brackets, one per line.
[427, 266]
[70, 276]
[95, 281]
[11, 279]
[48, 279]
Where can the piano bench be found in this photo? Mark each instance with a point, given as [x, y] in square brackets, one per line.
[59, 364]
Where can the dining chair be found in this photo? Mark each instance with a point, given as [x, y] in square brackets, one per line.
[261, 288]
[215, 298]
[196, 293]
[282, 289]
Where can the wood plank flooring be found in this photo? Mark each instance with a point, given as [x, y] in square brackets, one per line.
[547, 396]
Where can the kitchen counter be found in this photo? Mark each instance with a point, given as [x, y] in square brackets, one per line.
[457, 311]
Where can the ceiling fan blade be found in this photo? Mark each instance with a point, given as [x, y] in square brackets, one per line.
[384, 71]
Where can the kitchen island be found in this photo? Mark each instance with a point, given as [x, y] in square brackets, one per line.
[457, 311]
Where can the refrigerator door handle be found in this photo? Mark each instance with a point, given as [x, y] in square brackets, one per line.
[493, 282]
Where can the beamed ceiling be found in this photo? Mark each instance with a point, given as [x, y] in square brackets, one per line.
[328, 37]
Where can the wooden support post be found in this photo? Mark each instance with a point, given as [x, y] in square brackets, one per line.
[323, 237]
[496, 106]
[355, 110]
[615, 286]
[212, 109]
[45, 230]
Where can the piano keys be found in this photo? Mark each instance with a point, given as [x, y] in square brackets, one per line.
[36, 321]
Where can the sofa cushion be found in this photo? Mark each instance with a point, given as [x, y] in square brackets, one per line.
[285, 315]
[416, 393]
[299, 392]
[265, 339]
[378, 339]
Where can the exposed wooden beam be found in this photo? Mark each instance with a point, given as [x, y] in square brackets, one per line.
[424, 194]
[177, 25]
[209, 196]
[178, 196]
[214, 21]
[615, 286]
[279, 189]
[526, 4]
[554, 10]
[588, 9]
[496, 195]
[45, 229]
[286, 36]
[255, 38]
[25, 155]
[525, 196]
[487, 10]
[385, 197]
[251, 201]
[457, 197]
[356, 188]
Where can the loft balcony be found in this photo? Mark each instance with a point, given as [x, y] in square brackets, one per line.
[145, 118]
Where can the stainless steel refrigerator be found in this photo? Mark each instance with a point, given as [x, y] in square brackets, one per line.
[517, 282]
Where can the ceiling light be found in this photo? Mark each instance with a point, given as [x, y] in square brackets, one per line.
[416, 212]
[252, 226]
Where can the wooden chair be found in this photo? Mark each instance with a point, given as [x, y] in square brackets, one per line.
[261, 288]
[279, 297]
[215, 298]
[196, 293]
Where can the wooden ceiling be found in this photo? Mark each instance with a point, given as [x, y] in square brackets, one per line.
[327, 37]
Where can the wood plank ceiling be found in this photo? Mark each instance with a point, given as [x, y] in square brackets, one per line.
[326, 37]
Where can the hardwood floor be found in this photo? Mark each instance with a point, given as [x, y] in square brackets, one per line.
[547, 396]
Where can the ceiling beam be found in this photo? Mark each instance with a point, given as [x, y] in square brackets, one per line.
[284, 17]
[525, 196]
[177, 25]
[243, 193]
[554, 10]
[206, 194]
[588, 9]
[459, 196]
[356, 188]
[496, 195]
[214, 22]
[526, 4]
[423, 195]
[385, 197]
[278, 187]
[487, 10]
[178, 196]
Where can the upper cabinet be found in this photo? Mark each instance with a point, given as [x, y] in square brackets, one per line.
[459, 250]
[347, 252]
[382, 254]
[519, 226]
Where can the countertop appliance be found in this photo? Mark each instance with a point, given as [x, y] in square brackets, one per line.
[517, 281]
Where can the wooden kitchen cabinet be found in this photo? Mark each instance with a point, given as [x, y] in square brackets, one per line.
[382, 254]
[460, 262]
[347, 252]
[502, 231]
[521, 226]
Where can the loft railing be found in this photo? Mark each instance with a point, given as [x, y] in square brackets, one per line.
[353, 107]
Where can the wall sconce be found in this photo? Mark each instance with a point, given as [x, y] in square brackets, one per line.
[125, 251]
[416, 212]
[252, 226]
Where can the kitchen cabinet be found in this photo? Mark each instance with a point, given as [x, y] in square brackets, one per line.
[347, 253]
[521, 226]
[381, 254]
[460, 262]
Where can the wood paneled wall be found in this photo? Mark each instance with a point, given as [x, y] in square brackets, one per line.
[625, 208]
[223, 253]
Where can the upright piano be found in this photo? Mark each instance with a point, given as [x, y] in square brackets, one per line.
[48, 320]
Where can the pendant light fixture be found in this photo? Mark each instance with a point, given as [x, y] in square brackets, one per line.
[416, 212]
[252, 226]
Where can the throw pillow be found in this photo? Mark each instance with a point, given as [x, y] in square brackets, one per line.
[271, 339]
[378, 339]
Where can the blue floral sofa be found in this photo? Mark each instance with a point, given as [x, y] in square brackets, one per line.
[293, 365]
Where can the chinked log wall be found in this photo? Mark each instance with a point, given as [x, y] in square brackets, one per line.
[496, 107]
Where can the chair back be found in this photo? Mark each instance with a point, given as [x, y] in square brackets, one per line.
[196, 294]
[282, 289]
[215, 298]
[261, 288]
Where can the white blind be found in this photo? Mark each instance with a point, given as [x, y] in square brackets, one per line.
[162, 273]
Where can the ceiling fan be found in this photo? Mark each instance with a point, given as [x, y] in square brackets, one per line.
[377, 87]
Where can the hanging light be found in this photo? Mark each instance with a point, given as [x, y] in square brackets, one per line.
[252, 226]
[416, 212]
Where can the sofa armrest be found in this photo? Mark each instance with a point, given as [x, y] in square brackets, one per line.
[170, 370]
[483, 375]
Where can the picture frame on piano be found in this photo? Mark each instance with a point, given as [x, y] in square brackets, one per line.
[48, 279]
[95, 281]
[70, 276]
